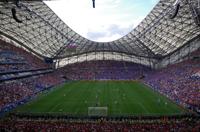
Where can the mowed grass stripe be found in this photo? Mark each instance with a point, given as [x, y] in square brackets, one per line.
[121, 98]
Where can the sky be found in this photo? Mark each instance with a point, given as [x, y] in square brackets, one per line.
[110, 20]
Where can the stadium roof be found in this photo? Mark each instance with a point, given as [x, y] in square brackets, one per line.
[40, 30]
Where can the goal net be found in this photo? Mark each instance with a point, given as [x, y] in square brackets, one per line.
[97, 111]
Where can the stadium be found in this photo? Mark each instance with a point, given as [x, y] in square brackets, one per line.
[54, 79]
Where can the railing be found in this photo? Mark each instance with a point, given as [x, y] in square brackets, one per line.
[7, 76]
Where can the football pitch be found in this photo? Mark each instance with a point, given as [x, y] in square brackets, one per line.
[121, 98]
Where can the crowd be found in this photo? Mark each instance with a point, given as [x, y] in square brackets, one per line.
[175, 125]
[13, 58]
[104, 70]
[17, 91]
[180, 82]
[13, 92]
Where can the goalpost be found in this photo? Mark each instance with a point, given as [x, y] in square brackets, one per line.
[97, 111]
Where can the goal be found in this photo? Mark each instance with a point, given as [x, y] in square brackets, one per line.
[97, 111]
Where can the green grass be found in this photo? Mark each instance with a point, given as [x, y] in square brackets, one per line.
[121, 97]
